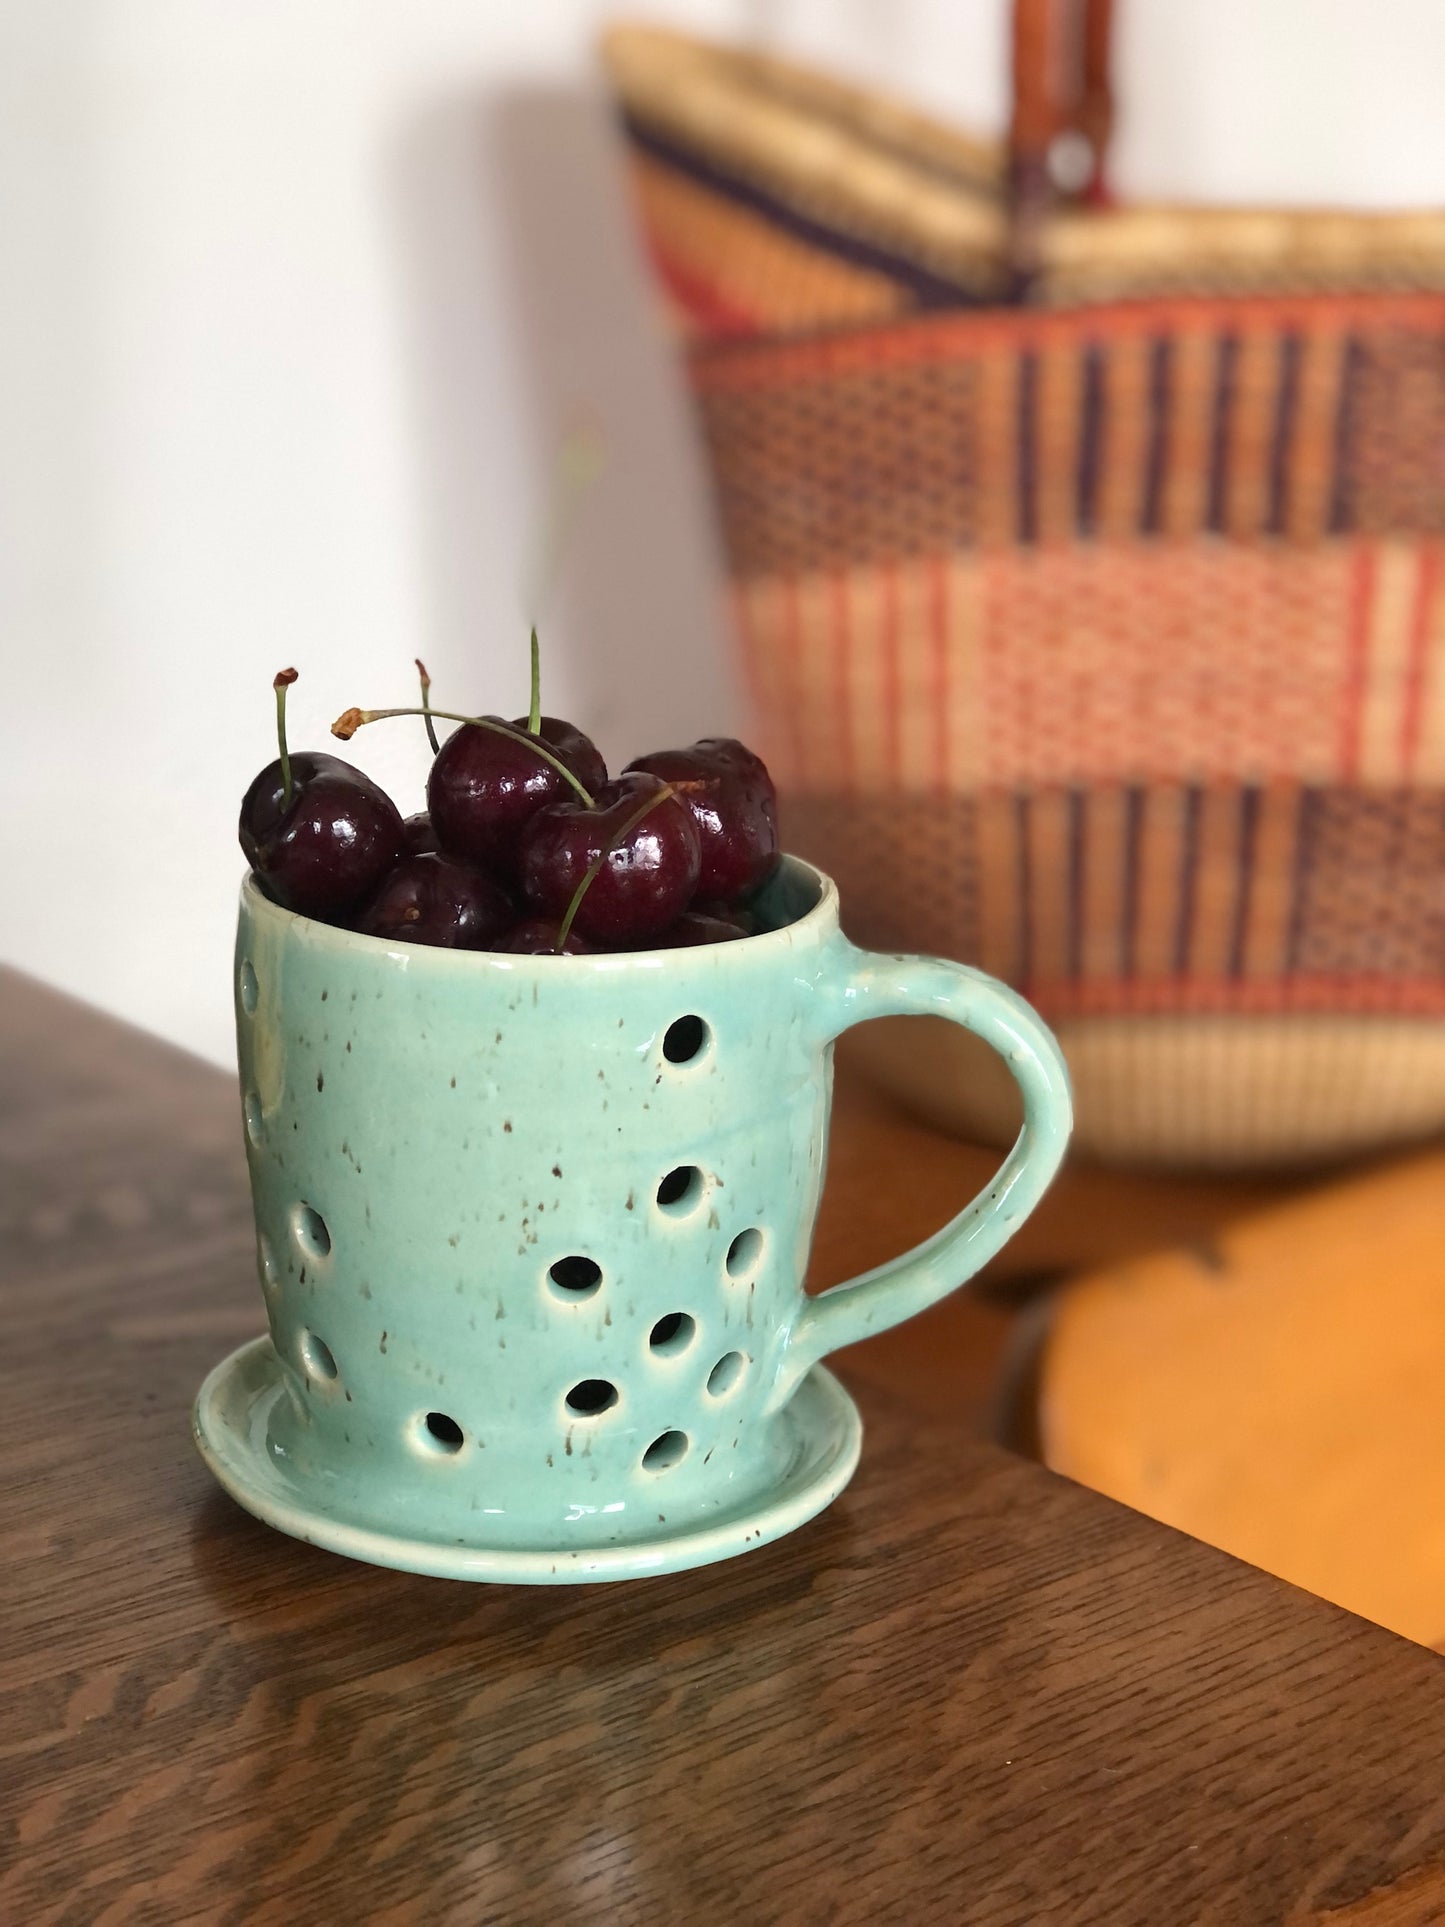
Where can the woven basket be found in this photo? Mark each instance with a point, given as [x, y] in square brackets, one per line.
[1086, 570]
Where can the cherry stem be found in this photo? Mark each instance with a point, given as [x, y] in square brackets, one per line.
[594, 868]
[347, 724]
[431, 731]
[282, 682]
[534, 714]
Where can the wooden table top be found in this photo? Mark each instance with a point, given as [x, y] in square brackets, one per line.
[969, 1692]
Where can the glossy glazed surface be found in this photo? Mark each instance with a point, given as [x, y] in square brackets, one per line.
[532, 1230]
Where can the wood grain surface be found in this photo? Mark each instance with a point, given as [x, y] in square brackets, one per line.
[971, 1692]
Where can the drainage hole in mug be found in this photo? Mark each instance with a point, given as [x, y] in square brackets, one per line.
[744, 1252]
[680, 1191]
[316, 1357]
[591, 1396]
[575, 1277]
[665, 1452]
[440, 1433]
[672, 1334]
[726, 1373]
[685, 1040]
[311, 1232]
[247, 978]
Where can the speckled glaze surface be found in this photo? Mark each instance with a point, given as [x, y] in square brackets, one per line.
[531, 1234]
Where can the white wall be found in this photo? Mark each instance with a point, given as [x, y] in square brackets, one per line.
[295, 296]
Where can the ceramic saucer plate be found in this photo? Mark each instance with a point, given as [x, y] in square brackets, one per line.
[823, 1434]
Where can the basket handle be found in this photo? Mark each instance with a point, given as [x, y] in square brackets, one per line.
[1063, 116]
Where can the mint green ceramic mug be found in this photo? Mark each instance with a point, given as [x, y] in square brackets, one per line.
[532, 1234]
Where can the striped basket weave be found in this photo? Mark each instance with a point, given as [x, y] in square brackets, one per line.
[1097, 639]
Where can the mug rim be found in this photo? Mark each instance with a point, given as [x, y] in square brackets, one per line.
[820, 917]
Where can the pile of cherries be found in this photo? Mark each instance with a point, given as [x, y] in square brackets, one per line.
[526, 844]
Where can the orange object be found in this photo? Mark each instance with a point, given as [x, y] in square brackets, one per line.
[1276, 1391]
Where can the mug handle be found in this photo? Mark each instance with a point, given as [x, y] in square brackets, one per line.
[868, 985]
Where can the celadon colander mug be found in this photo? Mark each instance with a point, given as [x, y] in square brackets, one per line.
[532, 1232]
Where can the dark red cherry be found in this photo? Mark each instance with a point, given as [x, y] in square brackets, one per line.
[484, 786]
[648, 868]
[577, 751]
[328, 849]
[693, 927]
[421, 838]
[537, 937]
[433, 899]
[735, 806]
[748, 921]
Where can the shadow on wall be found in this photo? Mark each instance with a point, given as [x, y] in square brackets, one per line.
[637, 629]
